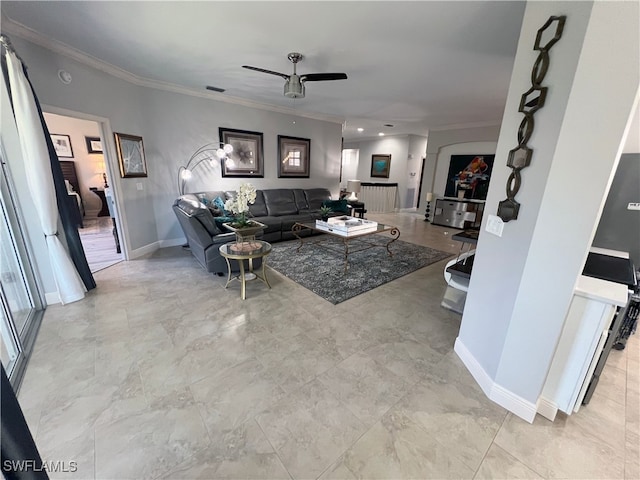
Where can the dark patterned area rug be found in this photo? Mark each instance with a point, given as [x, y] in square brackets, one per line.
[322, 271]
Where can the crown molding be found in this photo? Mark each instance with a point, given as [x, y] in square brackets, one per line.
[11, 27]
[460, 126]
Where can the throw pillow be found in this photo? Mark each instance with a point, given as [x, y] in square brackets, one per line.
[219, 203]
[215, 211]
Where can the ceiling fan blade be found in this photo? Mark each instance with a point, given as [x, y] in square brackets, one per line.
[318, 77]
[270, 72]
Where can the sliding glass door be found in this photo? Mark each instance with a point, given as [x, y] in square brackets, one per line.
[21, 306]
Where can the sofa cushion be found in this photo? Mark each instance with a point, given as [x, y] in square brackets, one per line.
[258, 208]
[280, 201]
[289, 220]
[315, 197]
[300, 199]
[272, 224]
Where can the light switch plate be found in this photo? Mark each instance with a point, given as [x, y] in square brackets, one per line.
[494, 225]
[633, 206]
[139, 186]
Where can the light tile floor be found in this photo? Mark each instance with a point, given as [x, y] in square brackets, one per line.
[162, 373]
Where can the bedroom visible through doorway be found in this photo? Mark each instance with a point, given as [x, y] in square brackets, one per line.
[84, 168]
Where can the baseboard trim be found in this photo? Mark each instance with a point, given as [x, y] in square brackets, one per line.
[52, 298]
[514, 403]
[547, 409]
[139, 252]
[475, 369]
[497, 393]
[172, 242]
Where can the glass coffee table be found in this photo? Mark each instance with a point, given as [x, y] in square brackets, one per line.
[249, 250]
[351, 243]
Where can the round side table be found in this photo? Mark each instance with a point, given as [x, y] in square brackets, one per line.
[246, 251]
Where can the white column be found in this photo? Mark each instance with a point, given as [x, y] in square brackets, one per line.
[522, 282]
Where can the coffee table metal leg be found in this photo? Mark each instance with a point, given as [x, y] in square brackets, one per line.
[346, 254]
[395, 232]
[295, 230]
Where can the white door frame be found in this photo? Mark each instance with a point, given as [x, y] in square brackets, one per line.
[111, 164]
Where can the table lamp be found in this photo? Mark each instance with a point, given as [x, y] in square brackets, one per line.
[428, 199]
[353, 186]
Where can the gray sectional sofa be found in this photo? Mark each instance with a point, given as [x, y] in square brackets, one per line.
[277, 208]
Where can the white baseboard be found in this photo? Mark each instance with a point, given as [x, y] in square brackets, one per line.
[475, 369]
[172, 242]
[514, 403]
[52, 298]
[497, 393]
[547, 409]
[139, 252]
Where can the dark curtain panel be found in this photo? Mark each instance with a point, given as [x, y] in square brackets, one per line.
[76, 250]
[19, 454]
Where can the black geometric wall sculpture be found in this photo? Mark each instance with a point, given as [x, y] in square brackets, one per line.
[531, 101]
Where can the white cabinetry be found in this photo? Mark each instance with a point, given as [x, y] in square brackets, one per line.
[585, 331]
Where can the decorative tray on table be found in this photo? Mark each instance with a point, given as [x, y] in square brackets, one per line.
[347, 226]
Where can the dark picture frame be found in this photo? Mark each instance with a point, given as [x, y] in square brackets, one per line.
[247, 158]
[131, 156]
[293, 157]
[62, 145]
[380, 165]
[94, 144]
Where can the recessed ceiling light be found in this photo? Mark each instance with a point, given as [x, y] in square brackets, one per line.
[381, 134]
[360, 129]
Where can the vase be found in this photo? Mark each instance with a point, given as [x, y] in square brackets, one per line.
[246, 233]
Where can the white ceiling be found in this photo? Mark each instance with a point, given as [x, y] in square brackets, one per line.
[416, 65]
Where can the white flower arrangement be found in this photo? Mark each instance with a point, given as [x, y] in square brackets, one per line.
[239, 205]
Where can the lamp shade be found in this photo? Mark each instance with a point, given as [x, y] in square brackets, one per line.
[429, 197]
[353, 186]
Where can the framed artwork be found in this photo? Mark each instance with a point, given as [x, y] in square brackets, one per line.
[130, 155]
[380, 166]
[62, 144]
[247, 159]
[94, 144]
[293, 156]
[469, 176]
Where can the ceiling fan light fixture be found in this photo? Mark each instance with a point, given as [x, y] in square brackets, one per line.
[293, 87]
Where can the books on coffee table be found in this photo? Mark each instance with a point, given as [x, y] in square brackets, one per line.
[347, 226]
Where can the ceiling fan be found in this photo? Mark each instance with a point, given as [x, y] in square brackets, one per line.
[294, 85]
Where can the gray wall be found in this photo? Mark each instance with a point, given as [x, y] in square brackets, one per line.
[173, 126]
[619, 228]
[406, 156]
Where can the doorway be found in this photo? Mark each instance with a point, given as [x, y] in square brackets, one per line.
[87, 178]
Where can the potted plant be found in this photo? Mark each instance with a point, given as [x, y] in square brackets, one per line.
[325, 212]
[242, 225]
